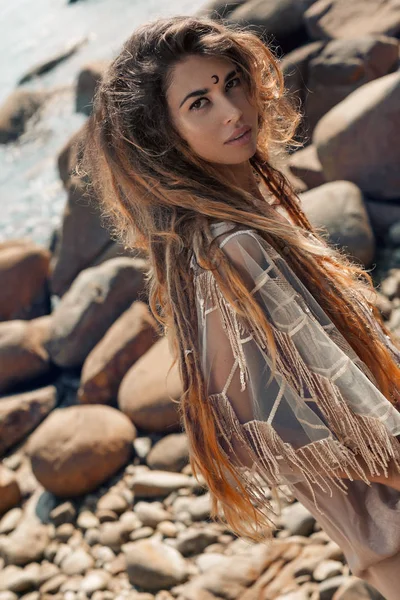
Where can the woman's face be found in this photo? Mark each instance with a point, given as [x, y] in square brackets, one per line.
[208, 104]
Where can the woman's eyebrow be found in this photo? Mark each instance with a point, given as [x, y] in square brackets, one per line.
[205, 90]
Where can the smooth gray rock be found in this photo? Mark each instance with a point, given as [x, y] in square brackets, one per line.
[357, 140]
[98, 296]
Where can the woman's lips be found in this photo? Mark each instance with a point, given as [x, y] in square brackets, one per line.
[242, 140]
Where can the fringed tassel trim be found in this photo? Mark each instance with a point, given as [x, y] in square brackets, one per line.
[316, 463]
[231, 322]
[364, 434]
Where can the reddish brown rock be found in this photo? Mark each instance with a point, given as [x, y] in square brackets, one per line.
[332, 19]
[21, 413]
[22, 352]
[149, 392]
[78, 448]
[132, 334]
[98, 296]
[10, 494]
[82, 239]
[24, 268]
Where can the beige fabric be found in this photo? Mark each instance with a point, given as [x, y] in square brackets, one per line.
[319, 411]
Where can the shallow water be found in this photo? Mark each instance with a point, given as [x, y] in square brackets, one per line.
[32, 197]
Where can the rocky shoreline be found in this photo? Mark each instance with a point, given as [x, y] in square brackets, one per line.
[97, 498]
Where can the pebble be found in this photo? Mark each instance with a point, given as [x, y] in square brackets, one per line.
[112, 502]
[167, 529]
[194, 541]
[151, 513]
[87, 520]
[92, 536]
[94, 581]
[10, 520]
[77, 562]
[63, 513]
[7, 595]
[143, 532]
[130, 521]
[64, 532]
[113, 535]
[53, 585]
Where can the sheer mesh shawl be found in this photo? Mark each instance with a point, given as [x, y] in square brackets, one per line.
[323, 406]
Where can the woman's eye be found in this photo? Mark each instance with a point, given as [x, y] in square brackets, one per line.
[197, 106]
[234, 79]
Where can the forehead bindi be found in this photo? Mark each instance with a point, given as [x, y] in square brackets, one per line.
[195, 72]
[198, 72]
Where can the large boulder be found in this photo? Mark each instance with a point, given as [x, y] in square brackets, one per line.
[357, 140]
[98, 296]
[68, 156]
[294, 66]
[21, 413]
[82, 240]
[218, 8]
[305, 165]
[341, 67]
[16, 111]
[382, 215]
[22, 352]
[339, 207]
[10, 493]
[24, 268]
[281, 19]
[78, 448]
[88, 79]
[149, 393]
[132, 334]
[332, 19]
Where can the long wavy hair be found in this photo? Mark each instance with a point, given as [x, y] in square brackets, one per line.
[156, 195]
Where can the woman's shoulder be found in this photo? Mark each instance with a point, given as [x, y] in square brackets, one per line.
[218, 228]
[230, 232]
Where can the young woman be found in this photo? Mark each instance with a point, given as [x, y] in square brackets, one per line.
[290, 377]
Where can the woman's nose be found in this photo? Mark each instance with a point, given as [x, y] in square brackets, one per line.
[231, 112]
